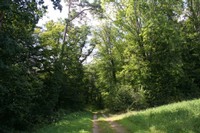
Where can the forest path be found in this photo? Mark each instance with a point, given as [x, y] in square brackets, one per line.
[114, 126]
[95, 124]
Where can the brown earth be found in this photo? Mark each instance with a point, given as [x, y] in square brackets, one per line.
[114, 125]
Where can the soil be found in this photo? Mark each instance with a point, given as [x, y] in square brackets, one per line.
[95, 124]
[114, 125]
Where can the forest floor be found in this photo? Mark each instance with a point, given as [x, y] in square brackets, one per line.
[103, 124]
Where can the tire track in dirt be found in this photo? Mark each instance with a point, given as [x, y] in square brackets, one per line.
[114, 125]
[95, 124]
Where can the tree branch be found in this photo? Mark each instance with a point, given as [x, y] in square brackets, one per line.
[85, 56]
[87, 9]
[67, 24]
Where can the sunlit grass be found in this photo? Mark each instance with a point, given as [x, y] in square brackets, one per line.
[183, 117]
[78, 122]
[115, 117]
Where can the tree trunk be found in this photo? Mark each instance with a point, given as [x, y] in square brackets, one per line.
[1, 18]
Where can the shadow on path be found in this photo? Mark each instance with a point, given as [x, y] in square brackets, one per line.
[117, 128]
[95, 124]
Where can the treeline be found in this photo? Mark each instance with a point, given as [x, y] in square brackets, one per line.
[148, 53]
[40, 72]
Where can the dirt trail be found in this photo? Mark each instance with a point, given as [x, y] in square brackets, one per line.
[95, 125]
[114, 125]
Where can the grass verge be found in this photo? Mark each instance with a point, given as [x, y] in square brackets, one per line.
[183, 117]
[78, 122]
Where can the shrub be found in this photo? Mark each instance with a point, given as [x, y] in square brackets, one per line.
[126, 98]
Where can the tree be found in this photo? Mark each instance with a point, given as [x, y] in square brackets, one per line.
[153, 54]
[20, 84]
[190, 47]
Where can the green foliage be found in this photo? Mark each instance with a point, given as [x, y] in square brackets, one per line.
[174, 118]
[63, 69]
[78, 122]
[158, 50]
[126, 98]
[35, 82]
[93, 96]
[18, 84]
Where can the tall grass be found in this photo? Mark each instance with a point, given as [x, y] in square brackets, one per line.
[183, 117]
[78, 122]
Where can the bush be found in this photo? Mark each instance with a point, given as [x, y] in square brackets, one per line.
[126, 98]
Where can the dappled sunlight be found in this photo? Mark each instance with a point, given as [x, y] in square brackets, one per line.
[107, 125]
[120, 116]
[79, 122]
[154, 130]
[174, 118]
[83, 131]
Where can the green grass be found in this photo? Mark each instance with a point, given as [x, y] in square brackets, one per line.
[78, 122]
[183, 117]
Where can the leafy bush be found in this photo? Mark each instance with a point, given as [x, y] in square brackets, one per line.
[126, 98]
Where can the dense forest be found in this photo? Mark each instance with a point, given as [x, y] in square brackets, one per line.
[144, 53]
